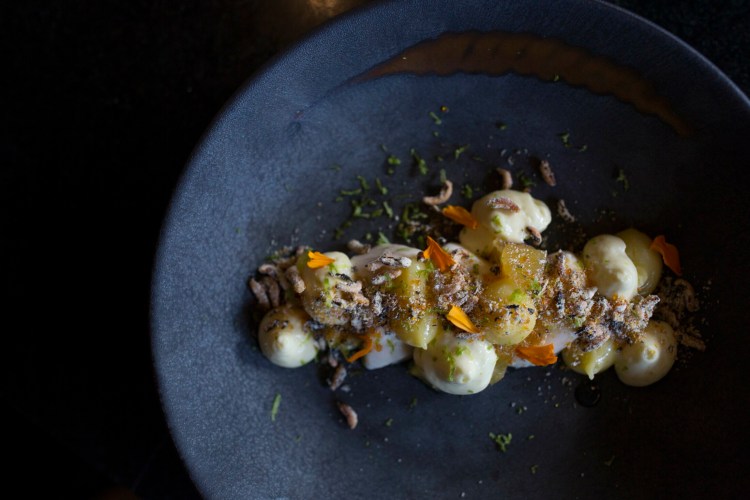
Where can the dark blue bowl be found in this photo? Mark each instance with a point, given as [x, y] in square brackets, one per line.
[593, 89]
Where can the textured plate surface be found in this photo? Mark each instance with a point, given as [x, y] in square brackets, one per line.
[264, 176]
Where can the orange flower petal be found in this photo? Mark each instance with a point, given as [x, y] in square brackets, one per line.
[459, 319]
[539, 355]
[461, 215]
[437, 255]
[318, 260]
[367, 348]
[669, 253]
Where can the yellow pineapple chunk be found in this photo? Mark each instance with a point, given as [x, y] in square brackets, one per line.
[414, 322]
[505, 314]
[524, 265]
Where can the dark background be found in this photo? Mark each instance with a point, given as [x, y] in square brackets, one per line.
[103, 101]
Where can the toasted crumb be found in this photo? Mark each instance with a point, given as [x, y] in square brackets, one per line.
[506, 177]
[269, 270]
[563, 212]
[288, 257]
[691, 339]
[260, 293]
[678, 302]
[534, 235]
[292, 275]
[547, 174]
[445, 193]
[354, 289]
[388, 260]
[390, 274]
[339, 375]
[348, 412]
[333, 362]
[273, 290]
[503, 203]
[394, 260]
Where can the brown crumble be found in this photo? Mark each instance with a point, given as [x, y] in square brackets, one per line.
[261, 295]
[547, 174]
[446, 191]
[349, 413]
[506, 177]
[339, 375]
[534, 235]
[677, 306]
[564, 213]
[273, 290]
[503, 203]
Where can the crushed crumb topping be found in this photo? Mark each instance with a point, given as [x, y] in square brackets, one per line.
[348, 413]
[503, 203]
[547, 174]
[564, 213]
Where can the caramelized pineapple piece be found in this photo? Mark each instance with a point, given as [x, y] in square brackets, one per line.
[414, 322]
[524, 265]
[590, 362]
[505, 314]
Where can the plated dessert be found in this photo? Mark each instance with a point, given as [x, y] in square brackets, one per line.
[463, 312]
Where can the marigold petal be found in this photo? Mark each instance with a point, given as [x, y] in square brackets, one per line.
[459, 319]
[362, 352]
[539, 355]
[669, 253]
[317, 260]
[437, 255]
[461, 215]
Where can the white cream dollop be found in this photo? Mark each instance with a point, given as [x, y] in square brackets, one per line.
[283, 338]
[387, 349]
[649, 360]
[504, 224]
[609, 268]
[648, 262]
[455, 365]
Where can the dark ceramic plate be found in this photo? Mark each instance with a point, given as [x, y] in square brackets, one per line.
[558, 75]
